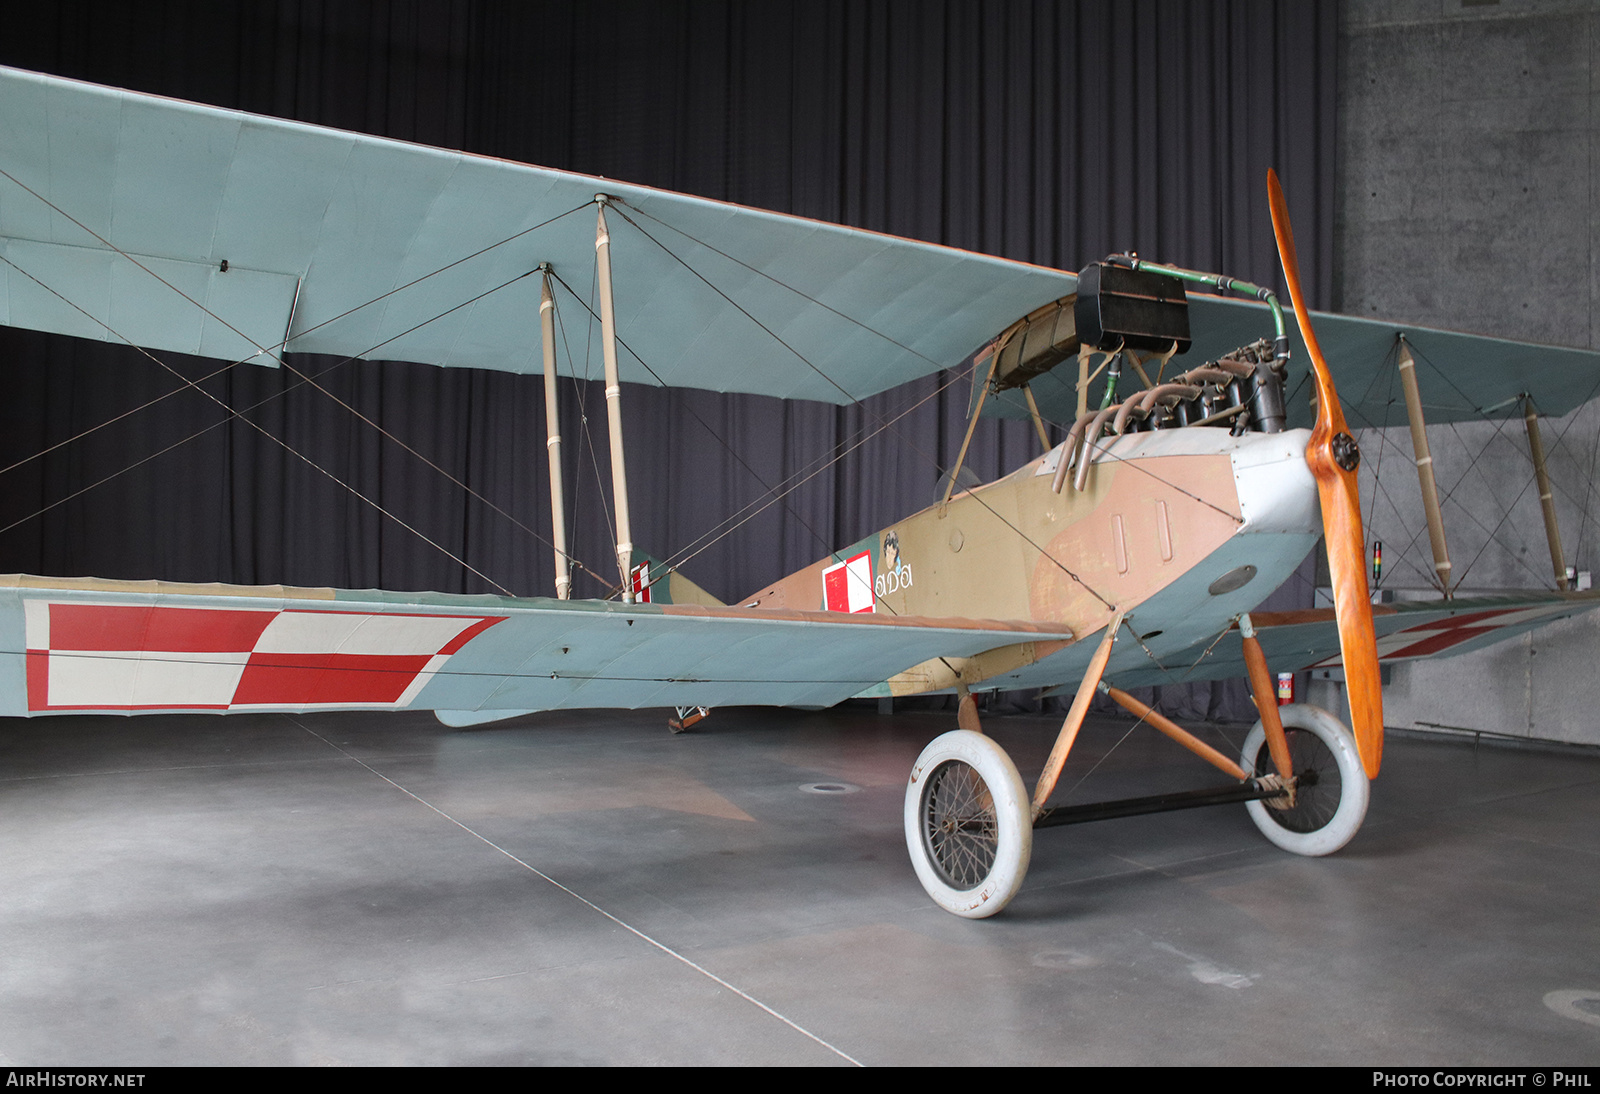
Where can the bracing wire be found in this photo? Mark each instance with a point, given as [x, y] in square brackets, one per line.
[706, 425]
[302, 378]
[273, 351]
[1451, 494]
[583, 414]
[857, 402]
[781, 284]
[232, 414]
[755, 508]
[884, 424]
[1377, 469]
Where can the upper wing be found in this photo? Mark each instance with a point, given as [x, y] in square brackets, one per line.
[116, 201]
[129, 647]
[1407, 631]
[118, 211]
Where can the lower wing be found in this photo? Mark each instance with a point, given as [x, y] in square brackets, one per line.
[78, 645]
[1406, 631]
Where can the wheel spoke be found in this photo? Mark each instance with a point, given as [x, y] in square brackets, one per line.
[959, 825]
[1315, 802]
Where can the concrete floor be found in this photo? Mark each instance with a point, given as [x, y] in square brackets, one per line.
[587, 888]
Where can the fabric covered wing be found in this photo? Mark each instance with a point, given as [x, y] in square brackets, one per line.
[1406, 631]
[395, 251]
[133, 647]
[118, 210]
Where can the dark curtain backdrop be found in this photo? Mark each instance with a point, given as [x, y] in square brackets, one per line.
[1048, 132]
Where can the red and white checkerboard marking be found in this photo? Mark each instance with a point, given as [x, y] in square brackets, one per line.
[641, 583]
[847, 585]
[144, 657]
[1427, 639]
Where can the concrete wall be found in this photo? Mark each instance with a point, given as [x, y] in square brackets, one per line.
[1469, 199]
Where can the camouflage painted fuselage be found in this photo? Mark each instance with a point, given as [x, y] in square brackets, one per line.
[1164, 529]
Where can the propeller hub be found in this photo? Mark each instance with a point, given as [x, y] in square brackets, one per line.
[1346, 453]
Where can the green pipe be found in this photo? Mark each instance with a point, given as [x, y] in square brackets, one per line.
[1222, 284]
[1113, 374]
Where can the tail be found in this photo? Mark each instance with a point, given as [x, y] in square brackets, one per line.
[654, 582]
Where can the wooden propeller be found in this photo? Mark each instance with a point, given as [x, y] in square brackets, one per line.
[1333, 458]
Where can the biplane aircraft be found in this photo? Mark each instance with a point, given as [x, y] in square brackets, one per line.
[1131, 554]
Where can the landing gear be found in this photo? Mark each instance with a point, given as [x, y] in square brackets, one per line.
[1330, 799]
[969, 822]
[969, 826]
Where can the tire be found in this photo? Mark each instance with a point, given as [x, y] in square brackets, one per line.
[1327, 815]
[969, 824]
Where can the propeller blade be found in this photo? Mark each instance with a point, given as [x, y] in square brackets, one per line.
[1333, 458]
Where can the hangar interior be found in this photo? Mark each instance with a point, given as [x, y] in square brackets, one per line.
[584, 887]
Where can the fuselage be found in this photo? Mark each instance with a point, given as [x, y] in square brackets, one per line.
[1179, 529]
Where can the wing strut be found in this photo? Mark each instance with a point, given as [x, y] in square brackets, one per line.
[1547, 503]
[972, 424]
[552, 443]
[608, 341]
[1424, 459]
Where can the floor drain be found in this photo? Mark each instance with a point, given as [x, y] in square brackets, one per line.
[829, 788]
[1580, 1006]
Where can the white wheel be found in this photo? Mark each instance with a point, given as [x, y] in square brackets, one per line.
[969, 824]
[1331, 800]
